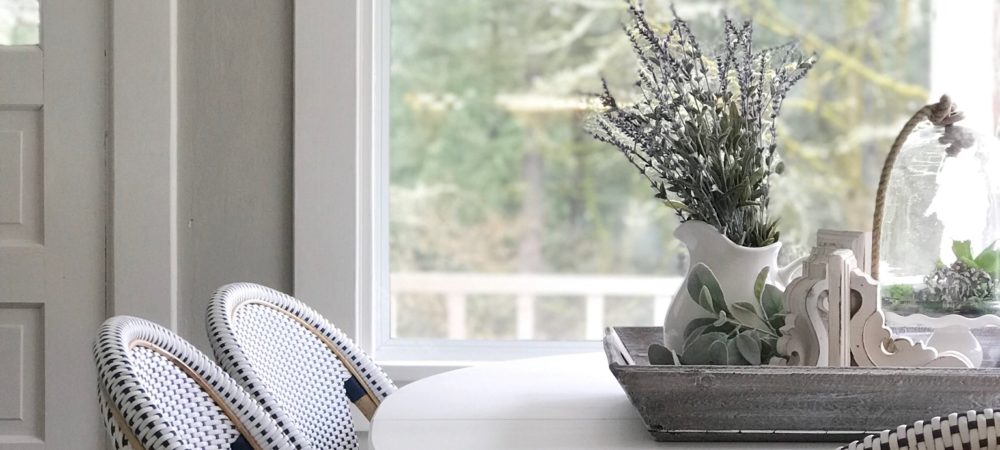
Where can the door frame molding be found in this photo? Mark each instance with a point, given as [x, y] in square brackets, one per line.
[335, 255]
[142, 241]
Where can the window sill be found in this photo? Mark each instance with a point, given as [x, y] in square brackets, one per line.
[406, 372]
[406, 361]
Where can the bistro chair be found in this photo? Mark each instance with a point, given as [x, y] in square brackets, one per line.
[158, 392]
[295, 363]
[969, 430]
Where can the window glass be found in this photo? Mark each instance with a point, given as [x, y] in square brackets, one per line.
[19, 21]
[507, 221]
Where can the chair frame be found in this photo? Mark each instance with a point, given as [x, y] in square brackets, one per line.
[232, 296]
[367, 404]
[954, 431]
[121, 335]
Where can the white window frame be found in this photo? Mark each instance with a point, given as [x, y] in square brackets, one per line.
[341, 191]
[341, 181]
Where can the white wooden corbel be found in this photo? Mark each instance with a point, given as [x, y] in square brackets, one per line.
[804, 340]
[835, 314]
[865, 339]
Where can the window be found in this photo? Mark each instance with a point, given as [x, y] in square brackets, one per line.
[508, 222]
[19, 21]
[484, 221]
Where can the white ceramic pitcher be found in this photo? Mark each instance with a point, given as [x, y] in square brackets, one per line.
[735, 266]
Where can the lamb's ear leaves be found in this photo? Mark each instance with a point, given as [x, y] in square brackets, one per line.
[746, 314]
[758, 285]
[697, 351]
[721, 320]
[660, 356]
[701, 278]
[695, 325]
[695, 334]
[718, 352]
[772, 301]
[777, 321]
[963, 251]
[748, 344]
[733, 355]
[704, 299]
[719, 302]
[768, 346]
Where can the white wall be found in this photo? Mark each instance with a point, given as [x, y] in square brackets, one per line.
[234, 152]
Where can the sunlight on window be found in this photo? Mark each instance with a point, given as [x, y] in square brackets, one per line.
[19, 20]
[499, 197]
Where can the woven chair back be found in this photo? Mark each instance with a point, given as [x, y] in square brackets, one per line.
[294, 362]
[157, 391]
[968, 430]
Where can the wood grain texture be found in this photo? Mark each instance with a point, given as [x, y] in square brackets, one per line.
[767, 403]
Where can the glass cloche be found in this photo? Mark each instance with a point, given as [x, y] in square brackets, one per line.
[940, 253]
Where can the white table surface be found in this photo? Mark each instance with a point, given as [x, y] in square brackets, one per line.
[561, 402]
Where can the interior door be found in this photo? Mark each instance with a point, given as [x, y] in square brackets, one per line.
[53, 117]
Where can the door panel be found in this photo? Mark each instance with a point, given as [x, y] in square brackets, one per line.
[21, 211]
[22, 250]
[53, 218]
[22, 372]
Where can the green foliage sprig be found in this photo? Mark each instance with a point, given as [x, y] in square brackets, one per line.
[969, 286]
[703, 130]
[740, 334]
[987, 260]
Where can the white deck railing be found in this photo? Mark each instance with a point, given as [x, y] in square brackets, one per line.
[595, 290]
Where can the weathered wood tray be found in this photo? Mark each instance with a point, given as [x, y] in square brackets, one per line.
[798, 404]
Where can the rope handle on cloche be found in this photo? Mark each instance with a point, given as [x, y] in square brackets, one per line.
[942, 113]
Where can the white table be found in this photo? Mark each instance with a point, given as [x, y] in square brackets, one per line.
[562, 402]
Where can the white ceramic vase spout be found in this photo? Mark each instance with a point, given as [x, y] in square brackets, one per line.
[735, 266]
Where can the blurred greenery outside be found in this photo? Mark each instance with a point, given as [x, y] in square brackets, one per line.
[492, 172]
[19, 21]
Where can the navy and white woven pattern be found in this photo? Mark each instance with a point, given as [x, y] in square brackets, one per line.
[295, 363]
[157, 391]
[967, 431]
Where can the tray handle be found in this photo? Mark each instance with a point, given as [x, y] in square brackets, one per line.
[615, 349]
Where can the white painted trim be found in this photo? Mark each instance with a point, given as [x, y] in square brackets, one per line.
[59, 278]
[921, 320]
[325, 166]
[341, 167]
[341, 192]
[143, 244]
[403, 373]
[21, 72]
[436, 352]
[377, 178]
[373, 170]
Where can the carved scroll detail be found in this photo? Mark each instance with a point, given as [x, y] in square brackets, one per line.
[851, 329]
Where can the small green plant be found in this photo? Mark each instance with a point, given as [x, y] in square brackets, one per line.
[987, 260]
[740, 334]
[968, 286]
[898, 294]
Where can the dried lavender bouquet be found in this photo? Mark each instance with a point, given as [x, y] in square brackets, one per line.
[703, 129]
